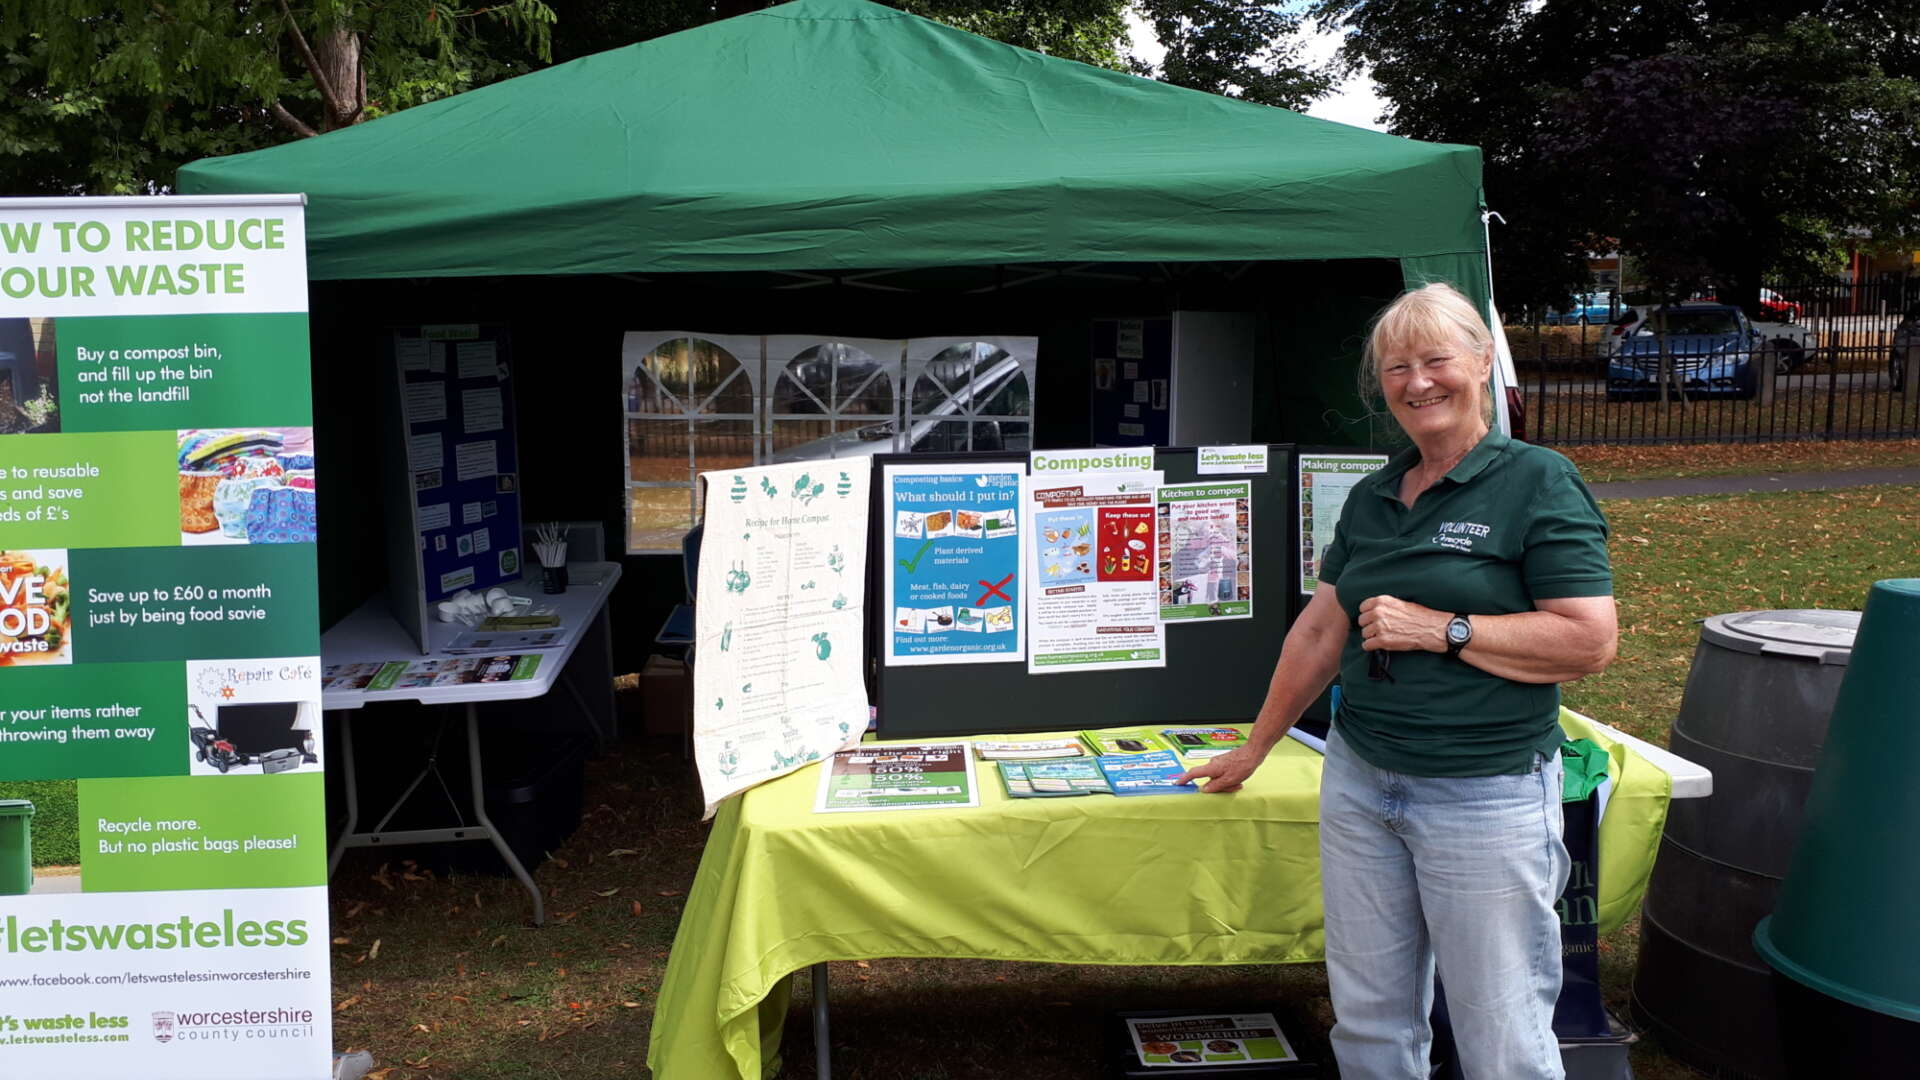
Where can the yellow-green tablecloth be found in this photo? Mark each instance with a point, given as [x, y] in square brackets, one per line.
[1174, 879]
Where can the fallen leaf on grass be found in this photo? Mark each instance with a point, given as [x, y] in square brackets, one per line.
[619, 851]
[380, 1074]
[343, 941]
[423, 1029]
[374, 953]
[607, 892]
[637, 909]
[861, 964]
[629, 1004]
[670, 892]
[347, 1004]
[497, 942]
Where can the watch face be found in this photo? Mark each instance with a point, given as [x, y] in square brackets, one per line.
[1459, 630]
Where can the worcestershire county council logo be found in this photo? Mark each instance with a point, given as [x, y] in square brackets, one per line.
[163, 1027]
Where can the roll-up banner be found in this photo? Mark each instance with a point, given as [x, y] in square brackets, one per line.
[163, 901]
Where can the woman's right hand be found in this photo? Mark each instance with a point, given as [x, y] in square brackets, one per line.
[1224, 773]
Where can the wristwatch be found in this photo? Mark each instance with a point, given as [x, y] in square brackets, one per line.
[1459, 632]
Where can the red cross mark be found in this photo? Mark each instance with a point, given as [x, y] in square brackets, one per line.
[993, 590]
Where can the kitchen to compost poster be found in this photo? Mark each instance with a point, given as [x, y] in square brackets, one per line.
[1325, 480]
[953, 584]
[1206, 551]
[163, 901]
[781, 624]
[1090, 553]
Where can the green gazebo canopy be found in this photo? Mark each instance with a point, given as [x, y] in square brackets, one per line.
[839, 135]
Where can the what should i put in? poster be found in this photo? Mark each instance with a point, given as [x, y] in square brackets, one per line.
[162, 836]
[953, 583]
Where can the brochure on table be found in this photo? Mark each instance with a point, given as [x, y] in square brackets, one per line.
[897, 777]
[953, 579]
[1206, 551]
[456, 403]
[1091, 555]
[781, 621]
[159, 641]
[1325, 481]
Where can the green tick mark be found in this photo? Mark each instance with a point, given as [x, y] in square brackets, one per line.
[914, 565]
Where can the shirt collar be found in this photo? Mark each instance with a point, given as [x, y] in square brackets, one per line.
[1476, 461]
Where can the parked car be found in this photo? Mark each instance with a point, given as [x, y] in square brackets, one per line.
[1712, 347]
[1773, 306]
[1777, 308]
[1793, 347]
[1906, 349]
[1598, 307]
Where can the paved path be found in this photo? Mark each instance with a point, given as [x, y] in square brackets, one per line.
[1740, 485]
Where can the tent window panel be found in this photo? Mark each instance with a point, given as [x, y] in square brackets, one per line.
[661, 382]
[657, 451]
[657, 517]
[717, 381]
[722, 444]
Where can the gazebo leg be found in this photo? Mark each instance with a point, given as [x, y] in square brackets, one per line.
[822, 1049]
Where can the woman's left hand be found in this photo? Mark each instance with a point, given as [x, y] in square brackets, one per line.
[1396, 625]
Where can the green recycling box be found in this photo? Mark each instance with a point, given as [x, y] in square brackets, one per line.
[16, 847]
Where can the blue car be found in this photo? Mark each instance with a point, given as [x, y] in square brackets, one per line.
[1712, 347]
[1597, 308]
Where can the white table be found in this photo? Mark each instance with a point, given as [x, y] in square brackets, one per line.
[372, 635]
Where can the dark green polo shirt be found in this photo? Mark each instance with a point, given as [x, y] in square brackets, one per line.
[1509, 525]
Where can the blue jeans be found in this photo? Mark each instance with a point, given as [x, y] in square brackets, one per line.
[1458, 873]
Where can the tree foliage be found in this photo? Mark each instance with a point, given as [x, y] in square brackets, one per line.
[113, 95]
[1713, 140]
[1233, 47]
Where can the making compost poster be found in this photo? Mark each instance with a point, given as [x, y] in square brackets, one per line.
[953, 585]
[163, 901]
[1325, 481]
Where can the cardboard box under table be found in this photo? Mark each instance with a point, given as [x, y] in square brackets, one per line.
[1176, 879]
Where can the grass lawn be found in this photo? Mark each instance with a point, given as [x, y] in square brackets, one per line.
[1605, 464]
[440, 977]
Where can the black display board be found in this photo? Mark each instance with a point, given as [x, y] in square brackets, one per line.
[1216, 671]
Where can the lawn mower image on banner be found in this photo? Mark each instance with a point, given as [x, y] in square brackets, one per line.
[264, 734]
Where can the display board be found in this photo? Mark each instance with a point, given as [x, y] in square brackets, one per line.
[1132, 381]
[456, 396]
[1216, 669]
[163, 900]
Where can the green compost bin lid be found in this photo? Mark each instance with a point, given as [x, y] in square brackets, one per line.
[1843, 922]
[16, 808]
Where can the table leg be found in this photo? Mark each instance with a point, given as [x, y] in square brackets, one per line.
[822, 1049]
[344, 718]
[480, 814]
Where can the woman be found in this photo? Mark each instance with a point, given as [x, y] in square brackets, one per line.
[1467, 579]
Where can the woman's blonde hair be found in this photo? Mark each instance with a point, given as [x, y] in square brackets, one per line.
[1431, 313]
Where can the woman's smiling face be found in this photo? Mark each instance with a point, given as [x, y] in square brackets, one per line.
[1434, 388]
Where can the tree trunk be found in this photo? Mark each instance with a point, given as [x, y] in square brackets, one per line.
[337, 53]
